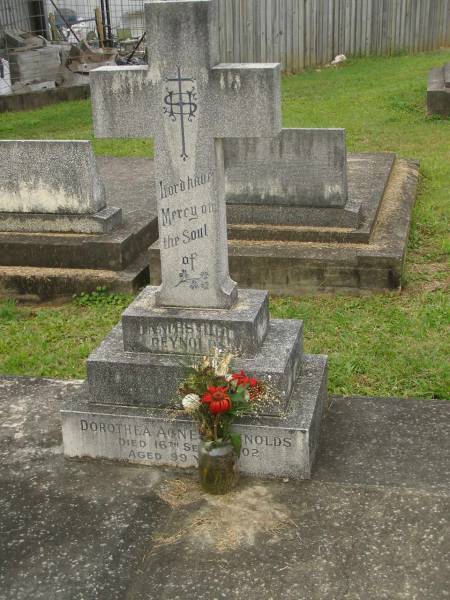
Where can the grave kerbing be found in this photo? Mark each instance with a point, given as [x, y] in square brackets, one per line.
[132, 377]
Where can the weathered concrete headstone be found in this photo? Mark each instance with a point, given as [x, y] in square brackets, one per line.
[132, 377]
[52, 186]
[296, 178]
[438, 93]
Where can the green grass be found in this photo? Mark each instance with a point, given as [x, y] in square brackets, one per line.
[55, 341]
[388, 345]
[68, 121]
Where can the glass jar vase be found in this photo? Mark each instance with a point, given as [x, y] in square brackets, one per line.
[218, 468]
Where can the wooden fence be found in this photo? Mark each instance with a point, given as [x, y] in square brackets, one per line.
[306, 33]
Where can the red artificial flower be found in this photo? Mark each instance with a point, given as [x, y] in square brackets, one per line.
[243, 379]
[218, 399]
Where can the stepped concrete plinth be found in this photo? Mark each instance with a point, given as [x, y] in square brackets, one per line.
[273, 445]
[129, 408]
[117, 376]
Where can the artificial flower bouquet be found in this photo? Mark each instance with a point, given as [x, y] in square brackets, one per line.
[215, 396]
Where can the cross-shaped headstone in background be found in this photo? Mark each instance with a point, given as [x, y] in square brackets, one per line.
[187, 101]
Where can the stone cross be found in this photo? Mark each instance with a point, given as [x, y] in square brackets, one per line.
[187, 102]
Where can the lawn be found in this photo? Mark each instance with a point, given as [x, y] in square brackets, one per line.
[387, 345]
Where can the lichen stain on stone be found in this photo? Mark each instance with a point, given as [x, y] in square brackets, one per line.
[40, 197]
[14, 421]
[233, 81]
[153, 74]
[330, 191]
[204, 76]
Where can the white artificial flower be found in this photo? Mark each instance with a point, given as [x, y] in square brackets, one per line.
[191, 402]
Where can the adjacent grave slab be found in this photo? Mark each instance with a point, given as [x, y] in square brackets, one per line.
[47, 265]
[52, 186]
[368, 177]
[333, 266]
[278, 446]
[56, 177]
[293, 260]
[438, 93]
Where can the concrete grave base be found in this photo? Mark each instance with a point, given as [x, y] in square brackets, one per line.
[103, 221]
[438, 93]
[297, 260]
[277, 446]
[33, 100]
[129, 407]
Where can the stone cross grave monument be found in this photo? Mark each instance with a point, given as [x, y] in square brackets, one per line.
[188, 101]
[133, 376]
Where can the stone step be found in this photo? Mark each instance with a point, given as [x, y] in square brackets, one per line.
[31, 284]
[241, 329]
[104, 221]
[116, 376]
[348, 216]
[297, 233]
[112, 251]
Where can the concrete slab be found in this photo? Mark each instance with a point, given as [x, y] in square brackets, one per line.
[81, 529]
